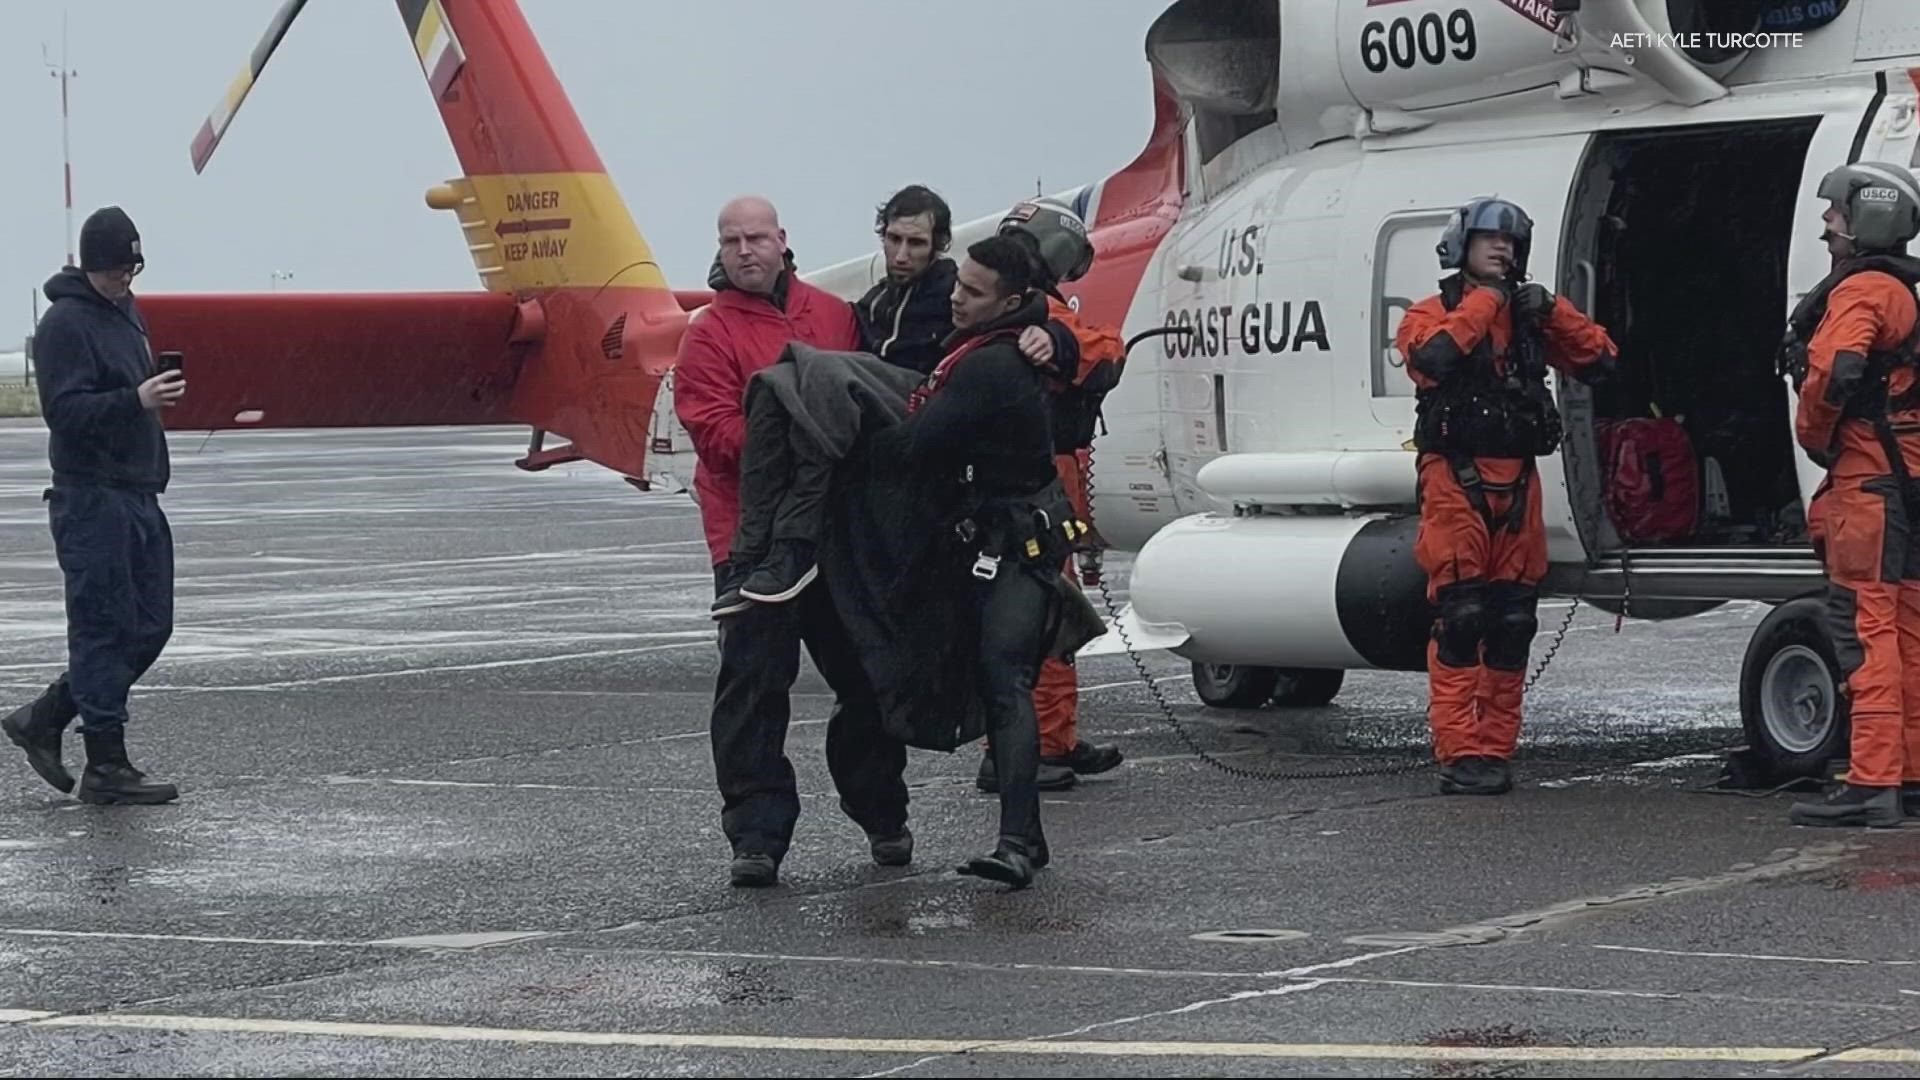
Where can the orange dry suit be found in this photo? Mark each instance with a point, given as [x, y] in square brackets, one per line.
[1056, 694]
[1859, 417]
[1484, 414]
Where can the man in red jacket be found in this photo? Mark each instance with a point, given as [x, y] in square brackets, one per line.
[760, 306]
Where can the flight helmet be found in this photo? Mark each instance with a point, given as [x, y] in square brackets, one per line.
[1056, 235]
[1485, 214]
[1881, 201]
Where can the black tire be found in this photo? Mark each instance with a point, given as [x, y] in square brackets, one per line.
[1791, 703]
[1235, 686]
[1307, 688]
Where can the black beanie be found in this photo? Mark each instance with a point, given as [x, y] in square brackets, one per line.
[109, 241]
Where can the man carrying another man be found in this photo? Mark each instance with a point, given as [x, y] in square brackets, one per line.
[761, 307]
[898, 322]
[944, 528]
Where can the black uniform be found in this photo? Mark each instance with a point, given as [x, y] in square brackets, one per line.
[988, 419]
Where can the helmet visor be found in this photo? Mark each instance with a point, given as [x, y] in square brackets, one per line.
[1496, 215]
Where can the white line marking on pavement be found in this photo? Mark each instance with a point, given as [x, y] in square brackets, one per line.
[1067, 1037]
[1798, 861]
[461, 941]
[110, 935]
[15, 1016]
[1760, 956]
[1133, 682]
[1341, 965]
[456, 941]
[961, 965]
[1027, 1047]
[1652, 995]
[486, 665]
[397, 782]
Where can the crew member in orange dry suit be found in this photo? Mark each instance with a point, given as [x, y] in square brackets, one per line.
[1477, 352]
[1859, 418]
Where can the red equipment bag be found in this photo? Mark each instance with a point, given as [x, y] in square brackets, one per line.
[1653, 480]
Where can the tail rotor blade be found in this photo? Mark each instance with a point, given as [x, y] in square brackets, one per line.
[216, 123]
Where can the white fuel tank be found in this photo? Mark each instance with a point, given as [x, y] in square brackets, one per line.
[1372, 479]
[1283, 591]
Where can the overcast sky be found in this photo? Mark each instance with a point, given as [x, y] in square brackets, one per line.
[826, 106]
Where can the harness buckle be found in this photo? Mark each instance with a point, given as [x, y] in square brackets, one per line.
[986, 567]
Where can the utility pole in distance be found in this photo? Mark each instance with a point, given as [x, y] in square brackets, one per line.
[63, 73]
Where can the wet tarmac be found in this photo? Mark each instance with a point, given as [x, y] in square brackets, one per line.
[448, 809]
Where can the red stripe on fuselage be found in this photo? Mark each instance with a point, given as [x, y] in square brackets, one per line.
[1139, 206]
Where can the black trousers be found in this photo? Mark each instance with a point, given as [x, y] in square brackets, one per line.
[759, 661]
[115, 550]
[784, 482]
[1015, 609]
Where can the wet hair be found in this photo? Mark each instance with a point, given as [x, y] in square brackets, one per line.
[1007, 258]
[912, 201]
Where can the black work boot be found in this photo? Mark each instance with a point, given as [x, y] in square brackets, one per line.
[1037, 845]
[38, 726]
[752, 870]
[1087, 759]
[1851, 805]
[1010, 863]
[892, 850]
[780, 577]
[1910, 798]
[1499, 774]
[111, 779]
[1475, 776]
[1051, 777]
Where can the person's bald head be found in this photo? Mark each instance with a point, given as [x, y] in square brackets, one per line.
[753, 246]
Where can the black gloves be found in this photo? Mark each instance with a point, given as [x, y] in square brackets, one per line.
[1532, 302]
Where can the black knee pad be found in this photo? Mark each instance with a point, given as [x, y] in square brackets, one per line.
[1512, 621]
[1462, 622]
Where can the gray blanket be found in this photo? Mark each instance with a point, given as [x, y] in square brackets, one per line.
[900, 579]
[835, 397]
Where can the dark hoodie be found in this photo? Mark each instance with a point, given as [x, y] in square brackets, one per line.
[90, 356]
[990, 412]
[908, 324]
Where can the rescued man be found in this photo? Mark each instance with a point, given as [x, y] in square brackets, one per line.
[906, 317]
[759, 307]
[981, 425]
[1477, 352]
[1853, 339]
[101, 393]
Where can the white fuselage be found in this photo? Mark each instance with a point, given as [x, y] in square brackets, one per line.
[1300, 244]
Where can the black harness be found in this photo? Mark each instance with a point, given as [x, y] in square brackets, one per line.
[1467, 475]
[1481, 412]
[1871, 400]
